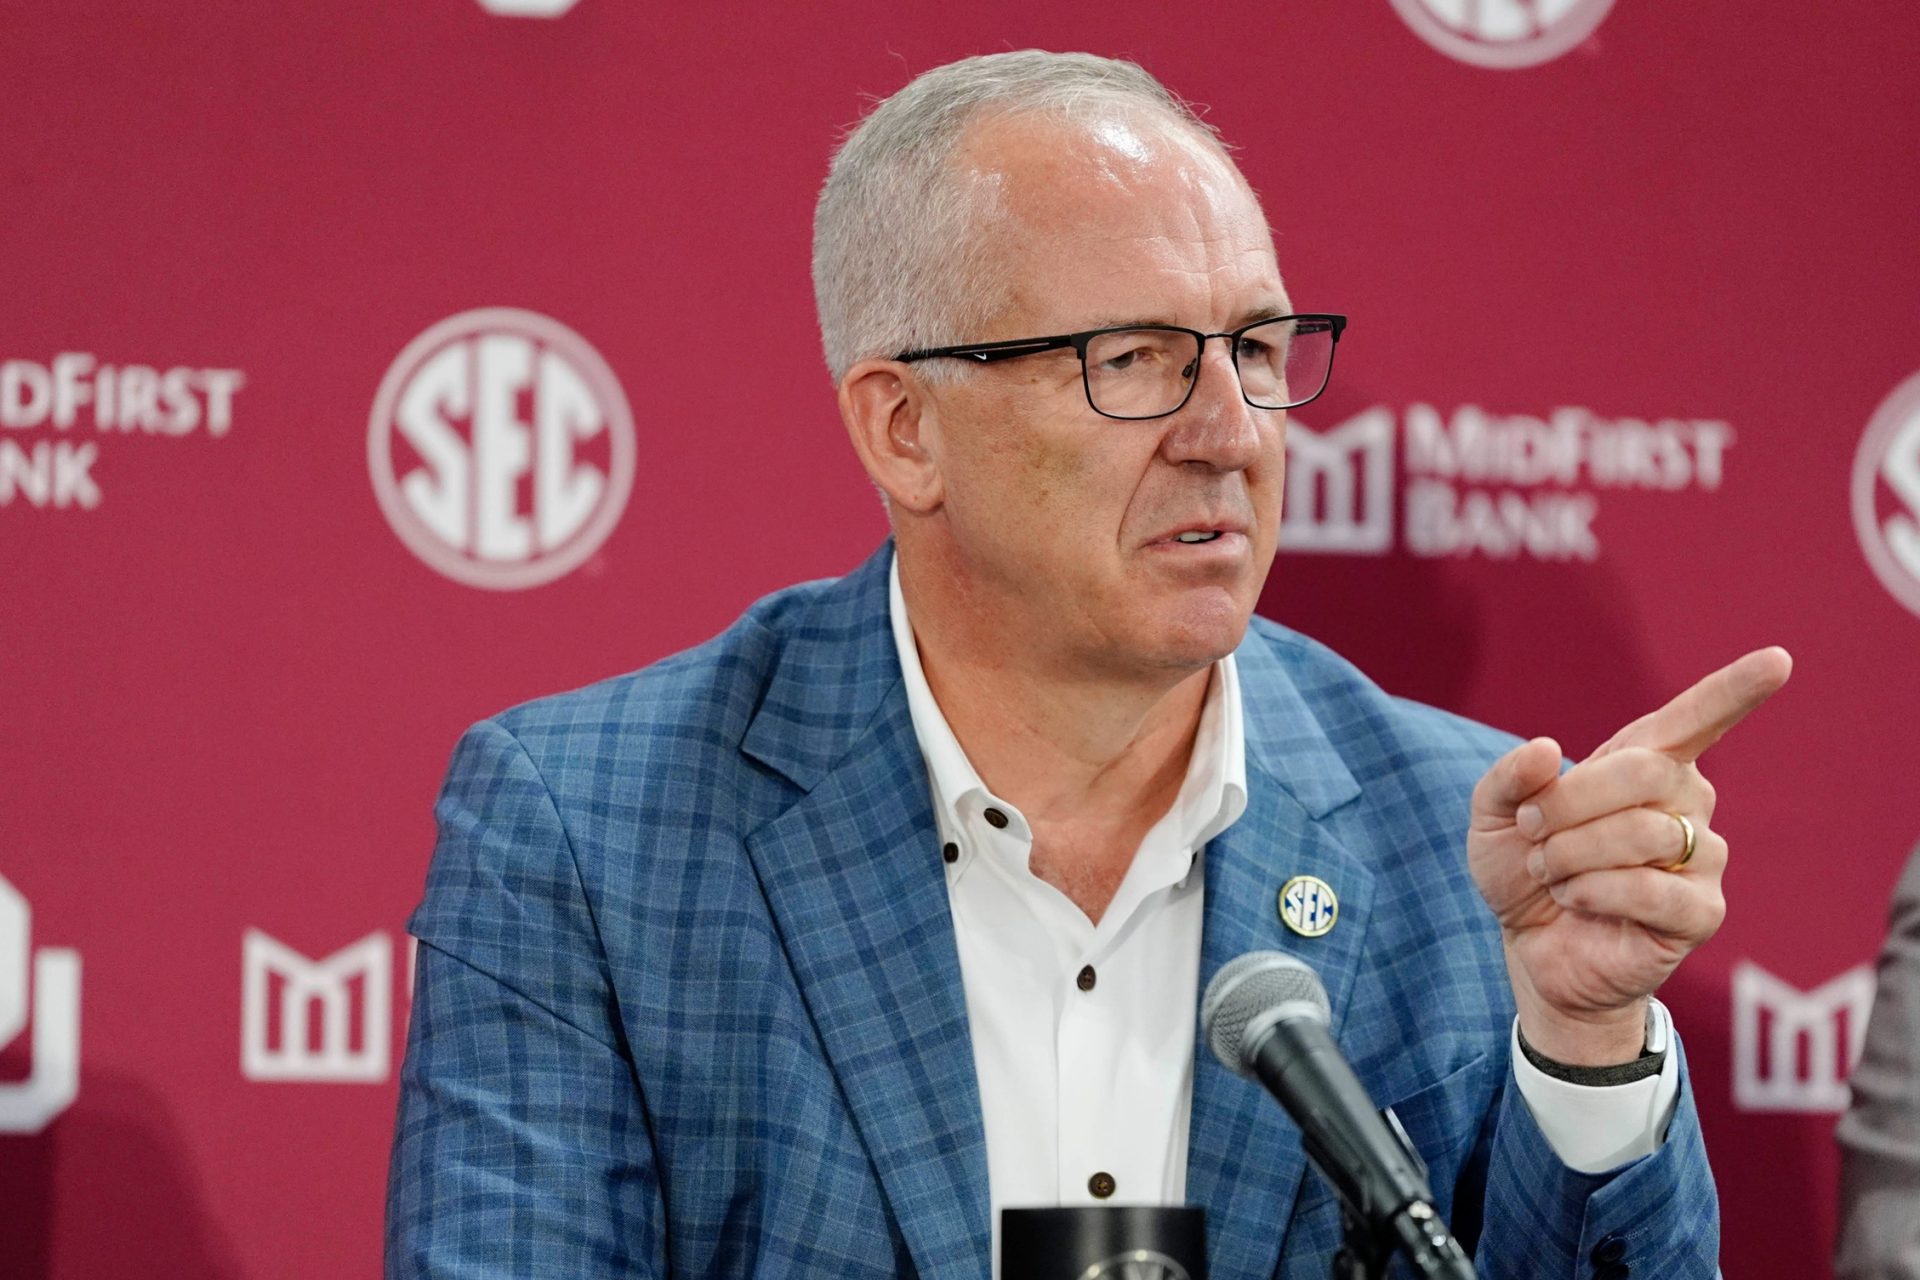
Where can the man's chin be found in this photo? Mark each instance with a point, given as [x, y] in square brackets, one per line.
[1197, 638]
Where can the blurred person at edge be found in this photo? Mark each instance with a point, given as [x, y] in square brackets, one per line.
[1880, 1134]
[808, 950]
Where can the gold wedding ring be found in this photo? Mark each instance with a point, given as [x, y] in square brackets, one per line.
[1687, 832]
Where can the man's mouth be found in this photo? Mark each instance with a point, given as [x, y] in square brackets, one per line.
[1198, 535]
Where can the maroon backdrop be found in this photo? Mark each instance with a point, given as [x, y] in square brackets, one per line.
[1626, 393]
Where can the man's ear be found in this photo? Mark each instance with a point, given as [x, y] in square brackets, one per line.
[895, 430]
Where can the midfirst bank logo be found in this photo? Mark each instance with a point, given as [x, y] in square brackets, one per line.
[321, 1021]
[501, 449]
[42, 987]
[1793, 1050]
[1886, 493]
[1503, 486]
[54, 416]
[1503, 34]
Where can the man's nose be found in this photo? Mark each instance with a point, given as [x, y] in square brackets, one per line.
[1217, 426]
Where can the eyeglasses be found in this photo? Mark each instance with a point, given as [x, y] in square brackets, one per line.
[1136, 372]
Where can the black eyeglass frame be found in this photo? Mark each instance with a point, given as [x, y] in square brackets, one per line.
[1014, 348]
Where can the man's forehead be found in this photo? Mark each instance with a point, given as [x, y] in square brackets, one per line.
[1040, 162]
[1103, 216]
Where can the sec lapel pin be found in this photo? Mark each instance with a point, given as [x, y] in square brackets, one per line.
[1308, 906]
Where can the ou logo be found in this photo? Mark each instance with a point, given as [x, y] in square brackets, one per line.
[501, 448]
[1886, 493]
[1503, 33]
[49, 979]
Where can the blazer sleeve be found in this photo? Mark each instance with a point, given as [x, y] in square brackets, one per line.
[1656, 1216]
[522, 1146]
[1880, 1134]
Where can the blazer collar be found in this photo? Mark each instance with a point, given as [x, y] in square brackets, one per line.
[1284, 733]
[839, 661]
[835, 666]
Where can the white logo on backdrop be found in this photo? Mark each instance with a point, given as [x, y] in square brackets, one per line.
[315, 1011]
[1768, 1071]
[54, 993]
[482, 495]
[527, 8]
[1503, 486]
[53, 415]
[1503, 33]
[1890, 455]
[1340, 486]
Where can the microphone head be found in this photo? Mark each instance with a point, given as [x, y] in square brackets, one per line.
[1252, 992]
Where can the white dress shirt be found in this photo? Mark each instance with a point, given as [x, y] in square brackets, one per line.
[1083, 1034]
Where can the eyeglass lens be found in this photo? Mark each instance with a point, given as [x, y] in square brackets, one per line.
[1143, 373]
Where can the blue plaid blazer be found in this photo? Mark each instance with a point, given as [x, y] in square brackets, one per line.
[688, 1001]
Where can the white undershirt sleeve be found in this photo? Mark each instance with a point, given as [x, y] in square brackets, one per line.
[1596, 1128]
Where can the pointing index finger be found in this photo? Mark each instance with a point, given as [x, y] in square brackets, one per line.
[1699, 716]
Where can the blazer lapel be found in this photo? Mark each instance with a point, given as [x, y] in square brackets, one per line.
[1244, 1159]
[853, 876]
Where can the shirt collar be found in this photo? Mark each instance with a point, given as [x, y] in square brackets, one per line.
[1212, 796]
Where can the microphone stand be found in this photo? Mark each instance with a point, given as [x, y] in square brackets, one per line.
[1367, 1248]
[1368, 1240]
[1364, 1252]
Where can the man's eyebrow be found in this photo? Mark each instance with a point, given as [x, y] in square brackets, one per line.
[1271, 311]
[1129, 322]
[1253, 315]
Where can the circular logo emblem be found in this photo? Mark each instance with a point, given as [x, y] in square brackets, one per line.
[1308, 906]
[1503, 33]
[1886, 493]
[501, 448]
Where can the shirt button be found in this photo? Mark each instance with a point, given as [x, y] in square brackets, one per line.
[995, 818]
[950, 851]
[1086, 979]
[1100, 1185]
[1610, 1249]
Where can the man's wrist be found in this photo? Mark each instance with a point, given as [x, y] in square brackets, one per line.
[1591, 1038]
[1647, 1064]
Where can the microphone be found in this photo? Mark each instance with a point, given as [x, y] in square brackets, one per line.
[1265, 1015]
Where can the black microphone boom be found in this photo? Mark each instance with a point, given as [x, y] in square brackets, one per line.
[1265, 1016]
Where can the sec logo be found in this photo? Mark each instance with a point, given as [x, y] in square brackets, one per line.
[1886, 493]
[1308, 906]
[501, 449]
[1503, 33]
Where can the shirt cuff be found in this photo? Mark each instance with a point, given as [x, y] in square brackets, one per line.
[1597, 1128]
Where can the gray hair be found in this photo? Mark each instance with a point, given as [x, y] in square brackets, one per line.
[899, 258]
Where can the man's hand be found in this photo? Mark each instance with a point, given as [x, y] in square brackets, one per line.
[1575, 865]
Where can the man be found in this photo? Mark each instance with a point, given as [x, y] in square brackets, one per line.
[809, 950]
[1880, 1134]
